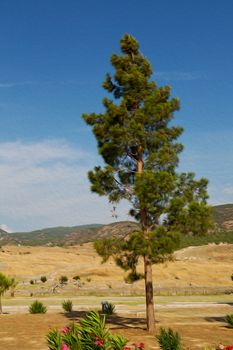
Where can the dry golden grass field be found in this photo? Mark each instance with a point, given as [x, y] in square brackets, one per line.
[209, 266]
[194, 270]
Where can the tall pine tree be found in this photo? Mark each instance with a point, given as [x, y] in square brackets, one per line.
[140, 151]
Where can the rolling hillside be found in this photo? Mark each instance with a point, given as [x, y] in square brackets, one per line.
[223, 216]
[67, 236]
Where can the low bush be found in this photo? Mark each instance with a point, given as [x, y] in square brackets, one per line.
[67, 305]
[43, 279]
[76, 278]
[63, 279]
[91, 333]
[108, 308]
[37, 307]
[229, 320]
[168, 339]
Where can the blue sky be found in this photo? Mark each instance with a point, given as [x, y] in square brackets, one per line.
[54, 56]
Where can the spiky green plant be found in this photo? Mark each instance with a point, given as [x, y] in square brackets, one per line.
[109, 308]
[67, 305]
[91, 333]
[168, 339]
[229, 320]
[37, 307]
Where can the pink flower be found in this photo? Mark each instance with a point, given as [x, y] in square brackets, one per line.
[65, 347]
[221, 347]
[66, 330]
[99, 341]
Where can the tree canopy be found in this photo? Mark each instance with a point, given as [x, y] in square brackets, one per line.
[139, 144]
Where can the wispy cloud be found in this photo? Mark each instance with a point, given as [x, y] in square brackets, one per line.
[178, 76]
[45, 184]
[12, 84]
[228, 190]
[5, 228]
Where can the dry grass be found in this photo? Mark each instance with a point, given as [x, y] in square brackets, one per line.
[208, 266]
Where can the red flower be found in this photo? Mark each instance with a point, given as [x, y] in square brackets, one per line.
[126, 348]
[229, 347]
[66, 330]
[141, 345]
[99, 341]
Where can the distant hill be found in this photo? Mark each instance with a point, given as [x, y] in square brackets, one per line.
[223, 216]
[6, 238]
[57, 235]
[66, 236]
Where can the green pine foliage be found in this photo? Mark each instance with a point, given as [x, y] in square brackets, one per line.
[138, 142]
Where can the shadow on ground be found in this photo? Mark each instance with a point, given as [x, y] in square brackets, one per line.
[215, 319]
[115, 321]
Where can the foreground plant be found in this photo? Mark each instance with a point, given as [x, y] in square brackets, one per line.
[168, 339]
[229, 320]
[37, 307]
[90, 333]
[109, 308]
[67, 305]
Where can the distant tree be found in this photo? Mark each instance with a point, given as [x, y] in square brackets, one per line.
[14, 284]
[139, 146]
[5, 284]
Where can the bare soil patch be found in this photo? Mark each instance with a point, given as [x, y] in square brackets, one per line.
[199, 327]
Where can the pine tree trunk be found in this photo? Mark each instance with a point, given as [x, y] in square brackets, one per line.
[150, 316]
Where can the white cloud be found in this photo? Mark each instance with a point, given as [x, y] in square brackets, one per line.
[5, 228]
[45, 184]
[12, 84]
[228, 190]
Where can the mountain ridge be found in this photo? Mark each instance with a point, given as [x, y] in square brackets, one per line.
[66, 236]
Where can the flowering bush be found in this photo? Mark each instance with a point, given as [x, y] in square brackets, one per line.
[89, 334]
[221, 347]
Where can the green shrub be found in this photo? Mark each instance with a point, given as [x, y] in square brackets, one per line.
[63, 279]
[43, 279]
[76, 278]
[229, 320]
[91, 333]
[168, 339]
[67, 305]
[133, 277]
[108, 308]
[37, 307]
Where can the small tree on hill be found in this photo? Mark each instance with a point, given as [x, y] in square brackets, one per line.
[140, 150]
[5, 284]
